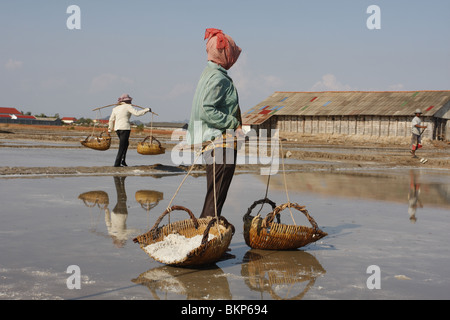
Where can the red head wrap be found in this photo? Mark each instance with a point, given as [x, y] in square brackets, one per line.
[221, 48]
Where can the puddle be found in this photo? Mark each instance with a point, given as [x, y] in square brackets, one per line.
[394, 220]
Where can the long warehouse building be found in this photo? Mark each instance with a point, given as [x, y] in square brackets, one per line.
[369, 113]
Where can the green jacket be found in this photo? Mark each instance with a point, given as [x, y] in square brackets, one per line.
[215, 107]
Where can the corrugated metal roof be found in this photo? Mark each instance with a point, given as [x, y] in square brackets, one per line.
[347, 103]
[9, 111]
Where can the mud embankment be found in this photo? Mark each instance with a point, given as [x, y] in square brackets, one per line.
[321, 152]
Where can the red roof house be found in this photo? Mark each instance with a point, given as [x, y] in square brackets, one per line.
[13, 113]
[68, 120]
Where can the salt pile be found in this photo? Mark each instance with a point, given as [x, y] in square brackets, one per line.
[174, 247]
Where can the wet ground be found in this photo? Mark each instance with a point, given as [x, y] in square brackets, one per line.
[391, 219]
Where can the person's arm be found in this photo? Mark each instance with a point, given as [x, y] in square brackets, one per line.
[137, 113]
[112, 118]
[417, 123]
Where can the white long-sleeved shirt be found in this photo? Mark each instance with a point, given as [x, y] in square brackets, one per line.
[120, 116]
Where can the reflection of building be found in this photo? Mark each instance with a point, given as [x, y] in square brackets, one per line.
[285, 275]
[360, 186]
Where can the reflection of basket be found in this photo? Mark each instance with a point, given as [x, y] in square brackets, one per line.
[286, 275]
[166, 282]
[93, 198]
[97, 143]
[208, 252]
[148, 199]
[262, 233]
[151, 148]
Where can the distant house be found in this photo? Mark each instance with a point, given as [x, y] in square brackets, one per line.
[103, 122]
[69, 120]
[12, 115]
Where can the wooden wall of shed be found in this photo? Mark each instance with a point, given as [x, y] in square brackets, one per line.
[446, 134]
[441, 129]
[378, 126]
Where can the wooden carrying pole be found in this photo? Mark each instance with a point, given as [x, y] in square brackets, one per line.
[115, 104]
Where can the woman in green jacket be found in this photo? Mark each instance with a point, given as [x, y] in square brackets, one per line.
[216, 112]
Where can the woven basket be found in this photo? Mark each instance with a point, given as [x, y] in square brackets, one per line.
[97, 142]
[150, 148]
[207, 253]
[264, 233]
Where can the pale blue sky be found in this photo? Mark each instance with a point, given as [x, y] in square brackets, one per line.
[154, 50]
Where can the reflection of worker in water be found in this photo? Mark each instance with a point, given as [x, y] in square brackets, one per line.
[413, 197]
[116, 220]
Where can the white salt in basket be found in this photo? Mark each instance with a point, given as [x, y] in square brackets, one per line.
[190, 242]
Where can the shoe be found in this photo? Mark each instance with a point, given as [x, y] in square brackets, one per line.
[124, 164]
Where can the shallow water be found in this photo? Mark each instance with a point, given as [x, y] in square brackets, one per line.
[49, 224]
[69, 157]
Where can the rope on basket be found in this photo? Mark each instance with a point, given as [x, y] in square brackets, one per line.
[214, 182]
[285, 182]
[98, 117]
[214, 187]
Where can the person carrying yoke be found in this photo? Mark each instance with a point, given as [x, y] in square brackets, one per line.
[216, 114]
[416, 135]
[119, 121]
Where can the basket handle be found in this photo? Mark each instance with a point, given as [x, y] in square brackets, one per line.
[101, 134]
[268, 220]
[168, 210]
[151, 140]
[261, 201]
[98, 138]
[208, 227]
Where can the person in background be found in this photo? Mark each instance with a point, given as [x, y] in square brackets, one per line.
[215, 110]
[416, 137]
[119, 121]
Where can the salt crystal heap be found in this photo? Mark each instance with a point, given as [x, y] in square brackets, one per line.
[174, 247]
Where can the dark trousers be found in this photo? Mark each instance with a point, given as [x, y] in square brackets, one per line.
[124, 136]
[224, 174]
